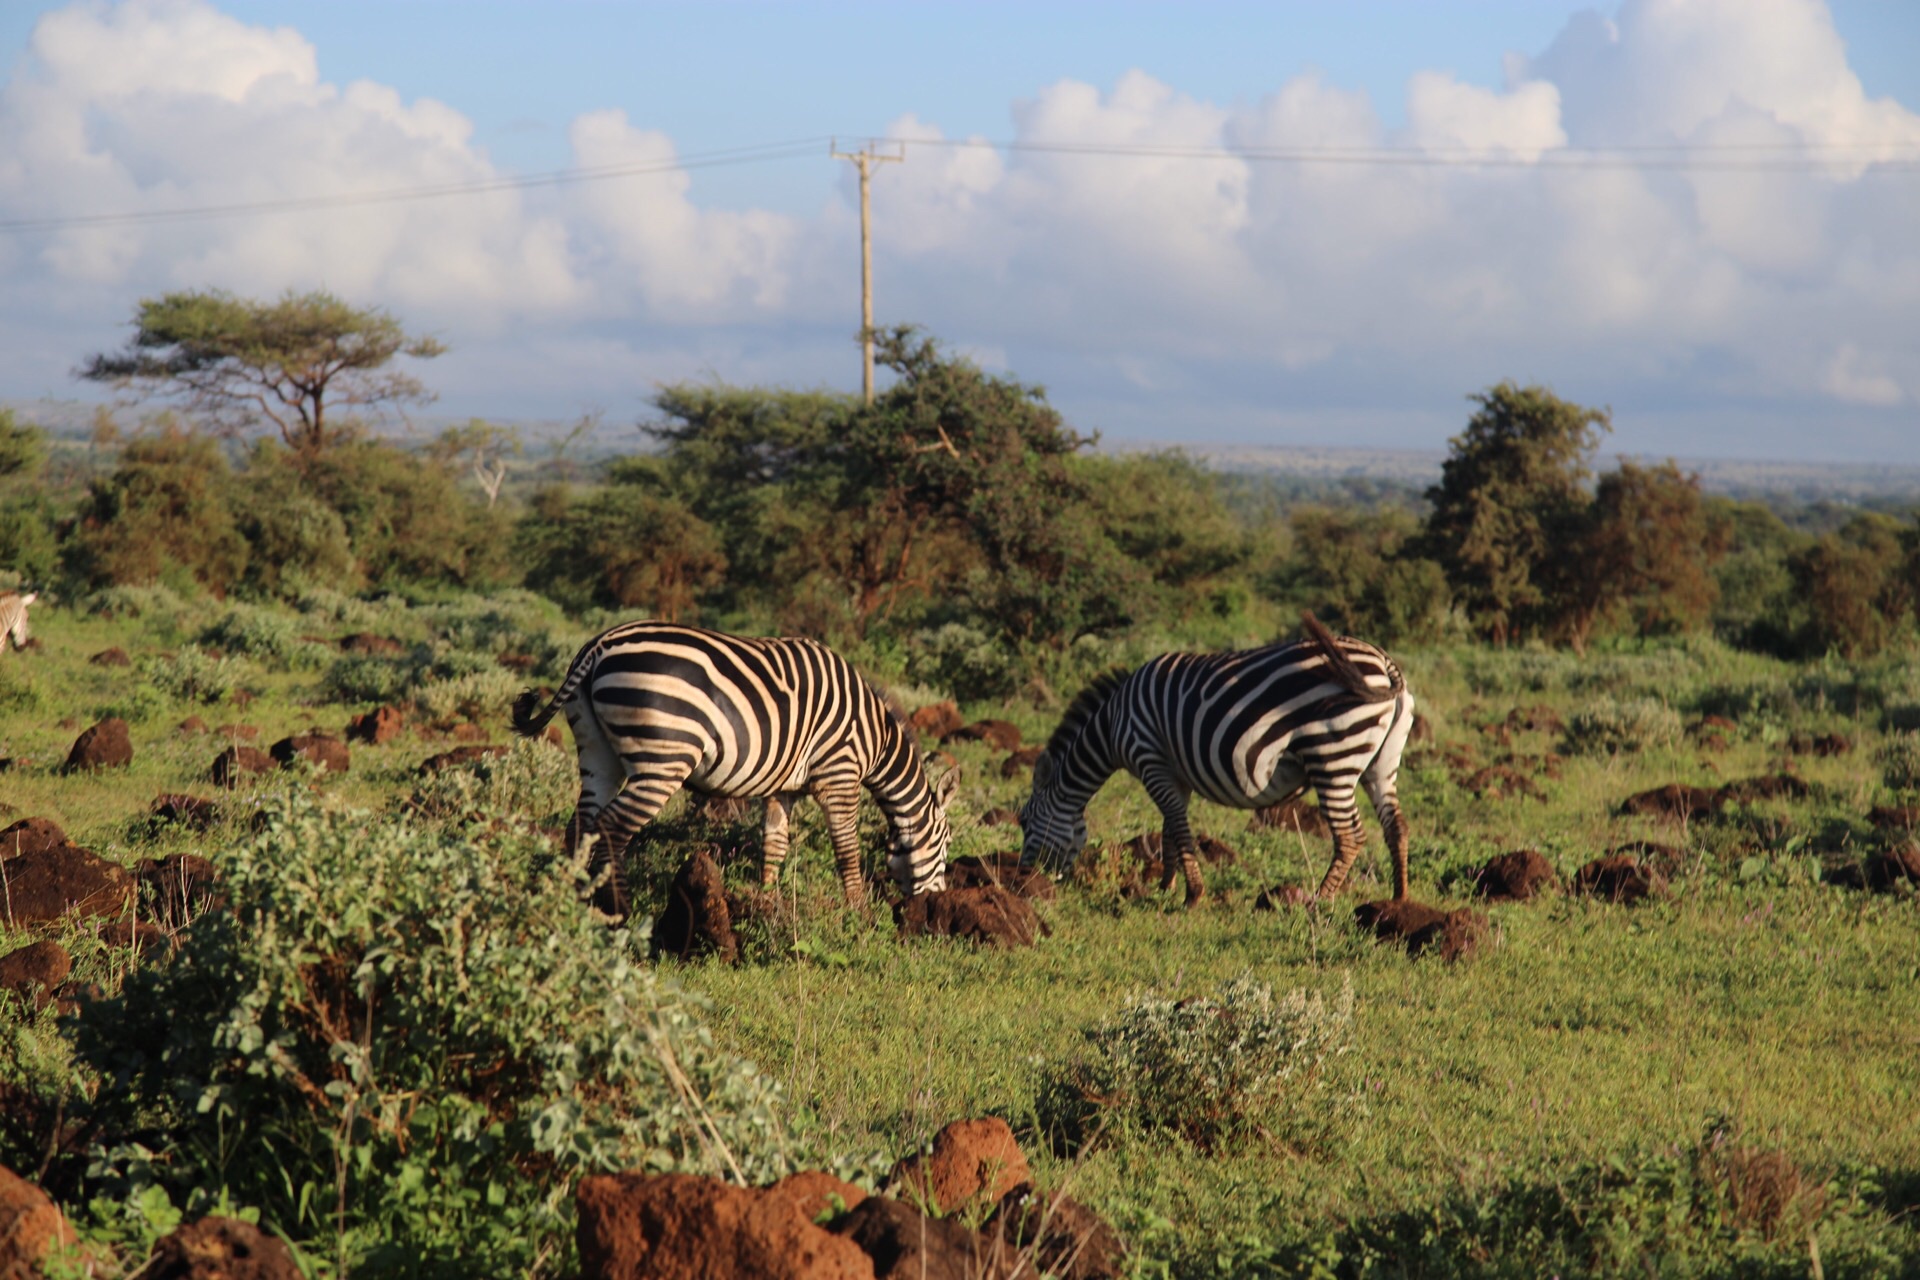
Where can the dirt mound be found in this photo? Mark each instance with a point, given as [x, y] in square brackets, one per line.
[1457, 934]
[106, 745]
[521, 662]
[1772, 786]
[315, 748]
[1515, 877]
[458, 756]
[1021, 762]
[30, 1226]
[34, 971]
[115, 657]
[378, 726]
[192, 726]
[31, 835]
[1147, 848]
[1825, 744]
[936, 720]
[1004, 870]
[1675, 800]
[51, 883]
[973, 1164]
[1283, 895]
[1294, 814]
[1539, 718]
[1497, 781]
[235, 763]
[365, 642]
[1060, 1235]
[697, 920]
[1618, 878]
[1885, 872]
[998, 817]
[1002, 735]
[1665, 859]
[216, 1248]
[676, 1226]
[177, 887]
[812, 1193]
[135, 935]
[904, 1244]
[191, 812]
[989, 915]
[1894, 817]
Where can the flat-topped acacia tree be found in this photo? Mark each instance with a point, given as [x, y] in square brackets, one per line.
[291, 361]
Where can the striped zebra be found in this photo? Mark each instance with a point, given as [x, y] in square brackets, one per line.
[1246, 729]
[13, 619]
[655, 707]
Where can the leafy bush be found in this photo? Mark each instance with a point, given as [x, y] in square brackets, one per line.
[1206, 1069]
[192, 675]
[405, 1045]
[533, 780]
[266, 635]
[475, 696]
[969, 663]
[1612, 725]
[361, 677]
[1900, 761]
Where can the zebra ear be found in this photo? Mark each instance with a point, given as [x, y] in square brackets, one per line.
[946, 783]
[1042, 770]
[29, 598]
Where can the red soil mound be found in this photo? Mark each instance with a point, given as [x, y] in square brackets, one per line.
[697, 920]
[973, 1164]
[1618, 878]
[990, 915]
[1515, 877]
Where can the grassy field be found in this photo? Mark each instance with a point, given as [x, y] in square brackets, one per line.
[1581, 1097]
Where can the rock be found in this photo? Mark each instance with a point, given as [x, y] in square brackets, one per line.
[115, 657]
[216, 1248]
[999, 817]
[34, 971]
[176, 888]
[458, 756]
[31, 835]
[49, 883]
[991, 915]
[1675, 800]
[237, 732]
[936, 720]
[235, 763]
[904, 1244]
[377, 727]
[314, 748]
[106, 745]
[31, 1226]
[1283, 895]
[1458, 935]
[365, 642]
[1618, 878]
[1292, 814]
[1060, 1236]
[190, 727]
[676, 1226]
[973, 1164]
[1003, 870]
[697, 921]
[1002, 735]
[187, 811]
[1515, 877]
[1021, 762]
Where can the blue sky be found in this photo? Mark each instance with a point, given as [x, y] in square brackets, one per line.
[1197, 301]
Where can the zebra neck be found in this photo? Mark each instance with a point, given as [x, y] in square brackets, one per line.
[1086, 763]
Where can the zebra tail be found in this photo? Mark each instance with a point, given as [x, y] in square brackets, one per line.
[529, 717]
[1341, 667]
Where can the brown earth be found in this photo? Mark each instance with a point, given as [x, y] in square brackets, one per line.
[177, 887]
[1899, 817]
[675, 1226]
[521, 662]
[235, 763]
[1772, 786]
[1664, 859]
[1675, 801]
[50, 883]
[1060, 1235]
[35, 971]
[315, 748]
[1459, 935]
[972, 1165]
[1003, 735]
[187, 811]
[1618, 878]
[1825, 744]
[902, 1243]
[989, 915]
[1002, 869]
[216, 1248]
[936, 720]
[998, 817]
[697, 920]
[368, 643]
[106, 745]
[1893, 869]
[466, 731]
[377, 727]
[458, 756]
[135, 935]
[114, 657]
[1539, 718]
[31, 835]
[1283, 895]
[31, 1225]
[1021, 762]
[1515, 877]
[1498, 780]
[1294, 814]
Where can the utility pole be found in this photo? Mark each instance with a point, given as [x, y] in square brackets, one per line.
[864, 159]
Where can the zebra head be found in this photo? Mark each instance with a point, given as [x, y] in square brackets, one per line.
[13, 619]
[917, 850]
[1055, 829]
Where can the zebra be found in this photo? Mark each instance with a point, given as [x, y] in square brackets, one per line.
[1247, 729]
[656, 706]
[13, 619]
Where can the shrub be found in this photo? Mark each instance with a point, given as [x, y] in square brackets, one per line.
[1208, 1069]
[969, 663]
[359, 677]
[265, 635]
[1612, 725]
[533, 780]
[405, 1045]
[192, 675]
[477, 695]
[1900, 761]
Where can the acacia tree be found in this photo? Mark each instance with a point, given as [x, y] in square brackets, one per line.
[291, 361]
[1644, 552]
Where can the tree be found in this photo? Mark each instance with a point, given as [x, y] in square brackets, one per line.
[1354, 569]
[1854, 585]
[164, 514]
[621, 547]
[1643, 552]
[290, 361]
[1509, 494]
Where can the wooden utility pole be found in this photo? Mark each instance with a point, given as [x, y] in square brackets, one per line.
[864, 159]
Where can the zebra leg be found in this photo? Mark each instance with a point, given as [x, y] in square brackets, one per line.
[1349, 838]
[1382, 781]
[601, 774]
[841, 800]
[1178, 850]
[644, 795]
[774, 836]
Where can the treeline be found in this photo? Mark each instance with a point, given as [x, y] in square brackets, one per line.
[960, 526]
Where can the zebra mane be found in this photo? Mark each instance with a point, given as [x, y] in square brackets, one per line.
[897, 712]
[1083, 707]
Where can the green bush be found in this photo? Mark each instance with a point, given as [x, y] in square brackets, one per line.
[1900, 761]
[361, 677]
[265, 635]
[405, 1045]
[968, 663]
[1612, 725]
[533, 780]
[479, 695]
[1207, 1069]
[192, 675]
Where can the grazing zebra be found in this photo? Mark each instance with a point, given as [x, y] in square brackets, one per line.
[1245, 729]
[655, 707]
[13, 619]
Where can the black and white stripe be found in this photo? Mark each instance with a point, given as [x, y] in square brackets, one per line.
[655, 706]
[13, 619]
[1245, 729]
